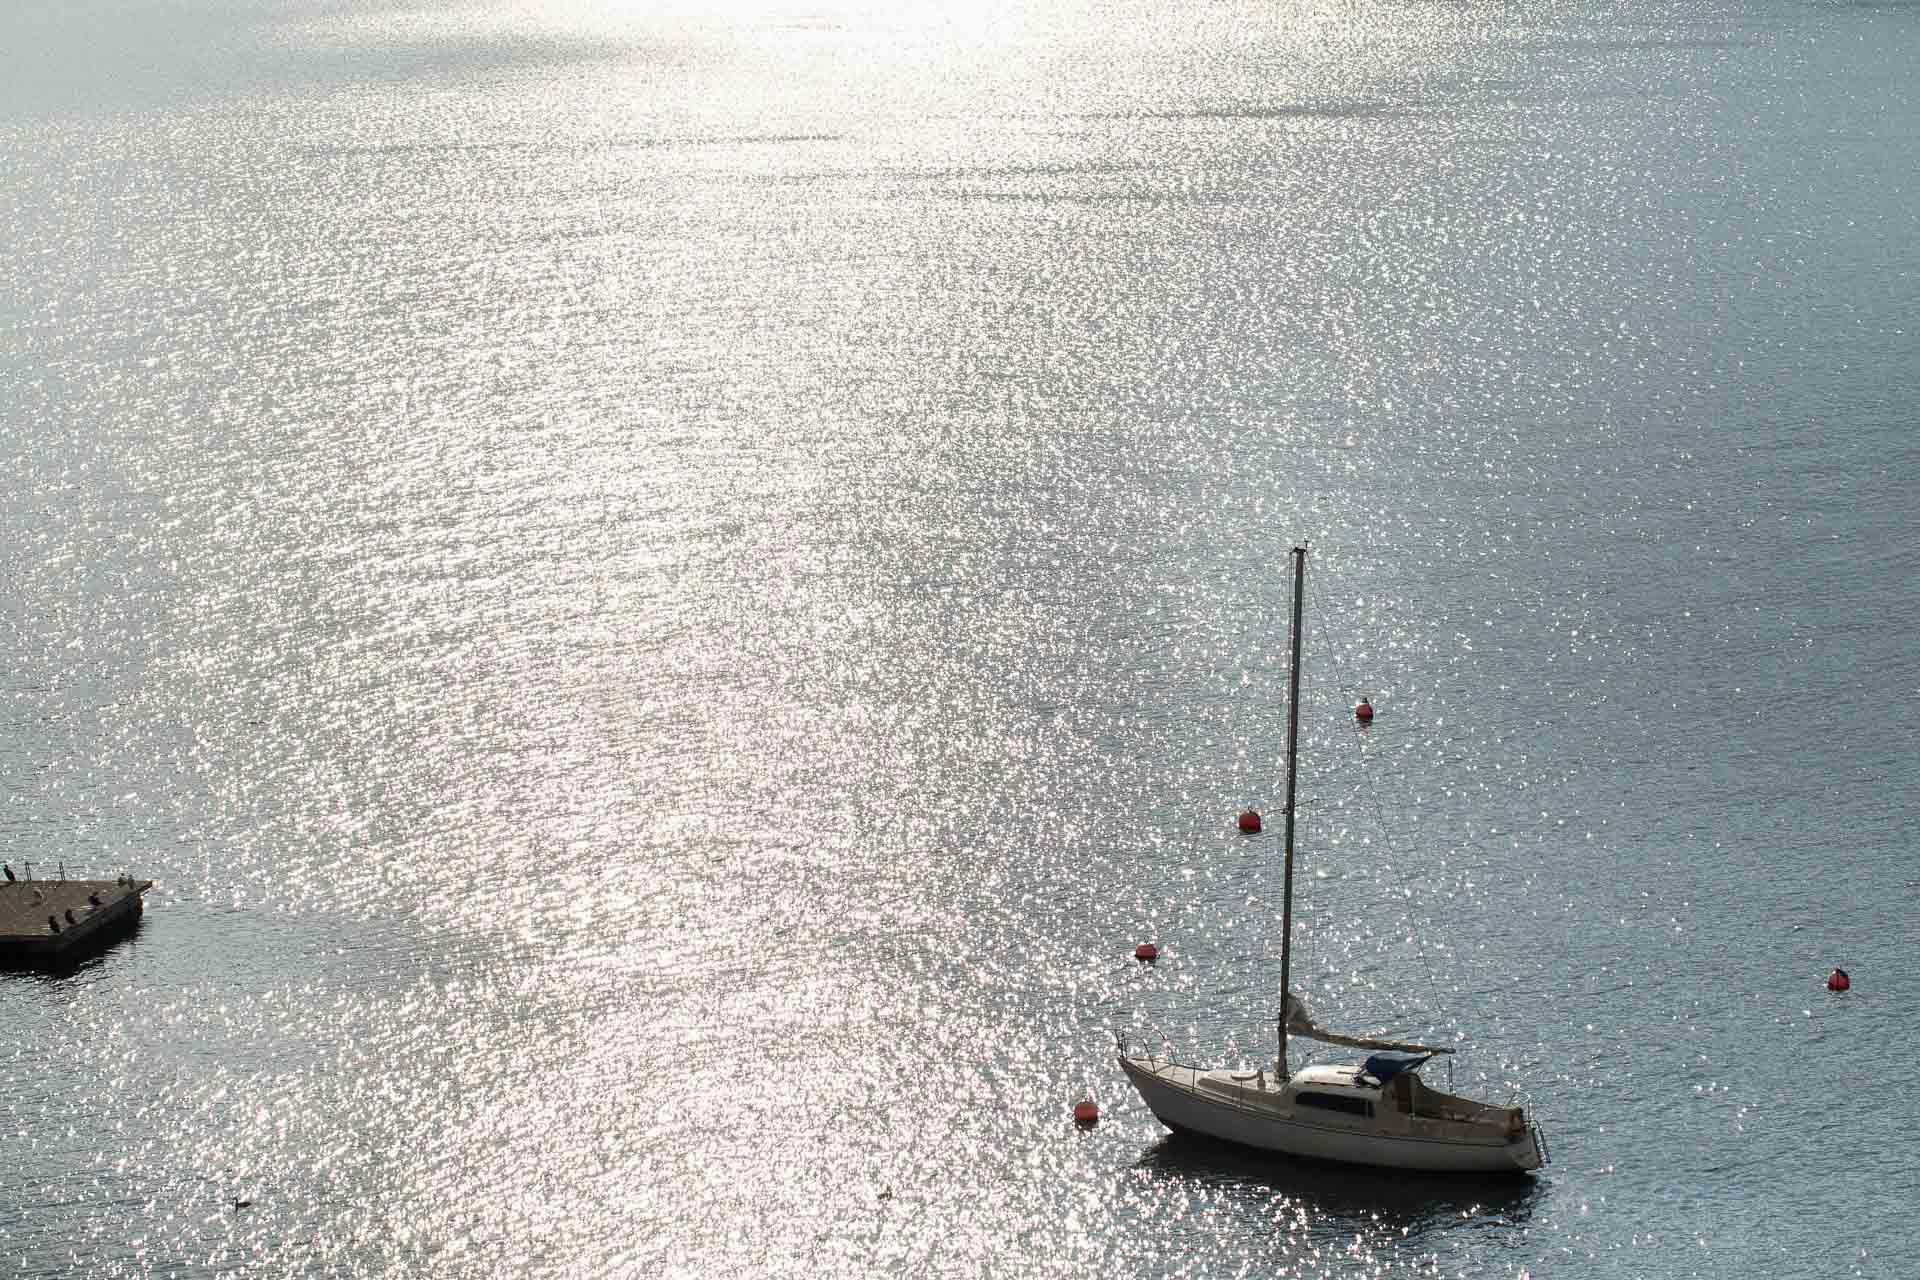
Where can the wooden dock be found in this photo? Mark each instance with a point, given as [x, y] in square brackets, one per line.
[48, 923]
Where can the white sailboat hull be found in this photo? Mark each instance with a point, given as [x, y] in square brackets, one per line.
[1255, 1110]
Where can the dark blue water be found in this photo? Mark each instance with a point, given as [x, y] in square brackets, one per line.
[667, 591]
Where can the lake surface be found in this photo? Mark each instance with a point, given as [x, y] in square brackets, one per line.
[667, 591]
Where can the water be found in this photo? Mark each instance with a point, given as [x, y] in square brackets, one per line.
[667, 591]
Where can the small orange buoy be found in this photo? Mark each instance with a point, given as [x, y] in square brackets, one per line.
[1363, 711]
[1838, 980]
[1146, 951]
[1086, 1112]
[1250, 822]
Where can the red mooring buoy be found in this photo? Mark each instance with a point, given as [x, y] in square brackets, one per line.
[1086, 1112]
[1363, 710]
[1838, 980]
[1146, 951]
[1250, 822]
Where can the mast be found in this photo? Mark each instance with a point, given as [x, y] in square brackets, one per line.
[1293, 760]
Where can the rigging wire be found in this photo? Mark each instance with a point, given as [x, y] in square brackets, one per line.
[1303, 892]
[1363, 799]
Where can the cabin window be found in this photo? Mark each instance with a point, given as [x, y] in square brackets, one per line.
[1345, 1104]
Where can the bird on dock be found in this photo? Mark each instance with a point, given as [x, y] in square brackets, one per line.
[70, 919]
[53, 923]
[94, 898]
[9, 867]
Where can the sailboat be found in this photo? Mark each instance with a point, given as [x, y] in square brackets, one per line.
[1374, 1111]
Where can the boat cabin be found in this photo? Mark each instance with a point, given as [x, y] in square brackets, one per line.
[1335, 1091]
[1388, 1088]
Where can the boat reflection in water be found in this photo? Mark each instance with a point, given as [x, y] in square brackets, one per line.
[1321, 1204]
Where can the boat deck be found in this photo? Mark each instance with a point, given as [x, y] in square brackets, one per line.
[88, 913]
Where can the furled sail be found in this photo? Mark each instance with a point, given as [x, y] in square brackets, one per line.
[1300, 1023]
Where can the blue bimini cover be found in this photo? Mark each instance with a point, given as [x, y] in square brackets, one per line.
[1385, 1066]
